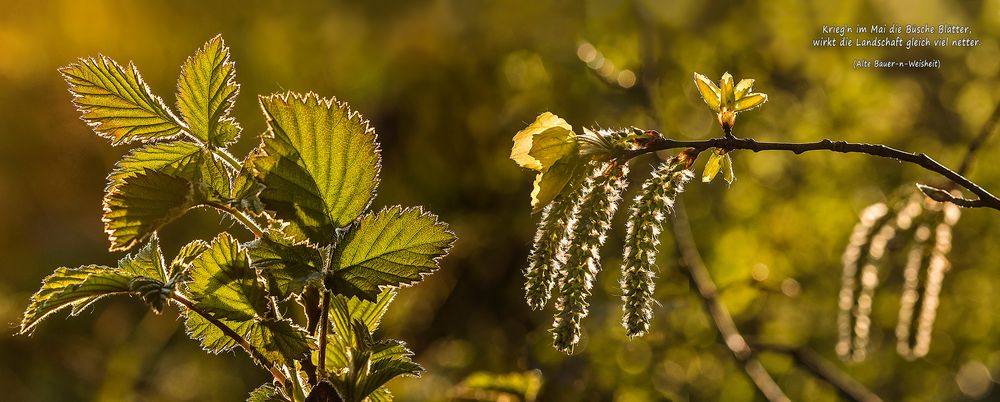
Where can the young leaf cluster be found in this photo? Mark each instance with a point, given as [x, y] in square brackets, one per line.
[319, 255]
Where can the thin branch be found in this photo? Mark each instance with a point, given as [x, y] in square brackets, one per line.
[977, 143]
[324, 324]
[691, 261]
[986, 199]
[240, 216]
[846, 386]
[253, 352]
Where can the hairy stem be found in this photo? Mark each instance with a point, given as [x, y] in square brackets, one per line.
[253, 352]
[240, 216]
[986, 199]
[324, 323]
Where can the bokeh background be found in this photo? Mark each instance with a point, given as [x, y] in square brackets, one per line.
[446, 84]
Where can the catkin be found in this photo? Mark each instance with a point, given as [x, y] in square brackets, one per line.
[920, 299]
[642, 235]
[597, 204]
[544, 261]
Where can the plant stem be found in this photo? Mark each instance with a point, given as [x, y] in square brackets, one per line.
[253, 352]
[986, 199]
[324, 322]
[240, 216]
[708, 292]
[846, 386]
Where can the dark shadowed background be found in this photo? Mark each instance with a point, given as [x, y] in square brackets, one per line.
[446, 84]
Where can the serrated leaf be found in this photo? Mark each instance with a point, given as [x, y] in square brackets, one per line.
[319, 162]
[147, 262]
[181, 159]
[175, 158]
[280, 341]
[709, 91]
[212, 338]
[141, 204]
[206, 92]
[224, 284]
[267, 393]
[72, 287]
[391, 248]
[543, 142]
[286, 267]
[185, 256]
[390, 361]
[345, 310]
[117, 103]
[713, 166]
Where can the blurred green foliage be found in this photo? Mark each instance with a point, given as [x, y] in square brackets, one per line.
[446, 83]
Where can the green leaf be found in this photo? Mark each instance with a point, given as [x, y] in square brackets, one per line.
[394, 247]
[143, 203]
[750, 101]
[181, 159]
[727, 170]
[72, 287]
[543, 142]
[286, 267]
[523, 385]
[389, 360]
[727, 91]
[212, 338]
[147, 262]
[223, 283]
[713, 166]
[174, 158]
[279, 340]
[267, 393]
[709, 91]
[743, 87]
[187, 254]
[345, 310]
[319, 162]
[206, 92]
[117, 103]
[549, 184]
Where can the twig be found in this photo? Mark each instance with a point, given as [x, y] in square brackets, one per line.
[324, 323]
[986, 199]
[984, 134]
[846, 386]
[253, 352]
[241, 217]
[691, 261]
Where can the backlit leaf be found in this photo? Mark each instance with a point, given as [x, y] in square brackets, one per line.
[727, 170]
[391, 248]
[713, 166]
[185, 256]
[117, 103]
[743, 87]
[206, 92]
[709, 91]
[181, 159]
[147, 262]
[549, 184]
[212, 338]
[319, 162]
[286, 268]
[267, 393]
[750, 101]
[543, 142]
[141, 204]
[71, 287]
[280, 341]
[223, 283]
